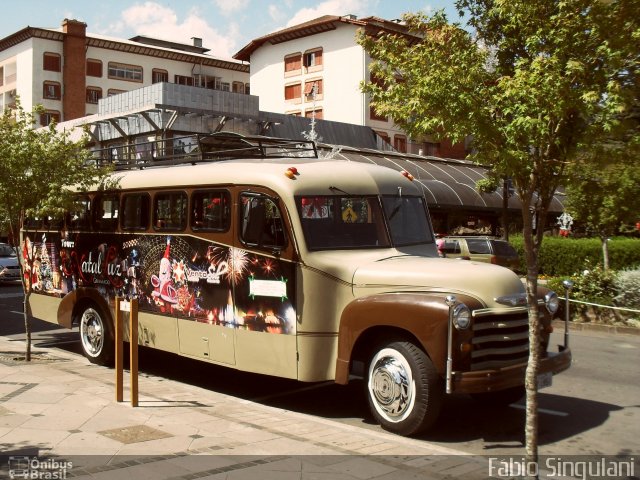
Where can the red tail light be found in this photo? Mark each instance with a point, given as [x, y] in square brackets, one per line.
[494, 259]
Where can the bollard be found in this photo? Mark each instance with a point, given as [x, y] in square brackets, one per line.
[568, 285]
[119, 346]
[133, 351]
[132, 308]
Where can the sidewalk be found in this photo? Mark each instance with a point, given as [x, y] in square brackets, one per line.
[60, 408]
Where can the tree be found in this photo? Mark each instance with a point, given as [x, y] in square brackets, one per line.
[603, 196]
[530, 84]
[39, 167]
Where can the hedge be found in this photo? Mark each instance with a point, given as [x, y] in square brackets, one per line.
[561, 256]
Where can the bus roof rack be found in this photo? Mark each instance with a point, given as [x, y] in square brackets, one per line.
[200, 148]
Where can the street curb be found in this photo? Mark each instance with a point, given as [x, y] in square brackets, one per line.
[558, 326]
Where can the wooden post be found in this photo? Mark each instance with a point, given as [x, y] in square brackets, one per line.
[133, 345]
[119, 351]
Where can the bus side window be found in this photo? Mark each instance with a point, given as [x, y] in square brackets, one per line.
[261, 222]
[211, 211]
[105, 214]
[80, 214]
[135, 211]
[170, 211]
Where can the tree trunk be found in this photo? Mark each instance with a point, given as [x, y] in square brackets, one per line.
[27, 323]
[605, 252]
[533, 366]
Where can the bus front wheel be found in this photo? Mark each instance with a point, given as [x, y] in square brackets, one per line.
[404, 390]
[96, 335]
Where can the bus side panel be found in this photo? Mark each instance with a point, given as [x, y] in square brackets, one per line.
[42, 307]
[267, 354]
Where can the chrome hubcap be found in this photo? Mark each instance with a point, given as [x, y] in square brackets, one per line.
[391, 386]
[91, 332]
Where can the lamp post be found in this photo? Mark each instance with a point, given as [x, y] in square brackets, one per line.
[568, 285]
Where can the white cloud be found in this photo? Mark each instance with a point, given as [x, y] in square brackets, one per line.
[155, 20]
[330, 7]
[228, 7]
[276, 13]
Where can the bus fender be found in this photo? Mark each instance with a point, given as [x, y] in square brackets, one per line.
[68, 304]
[423, 316]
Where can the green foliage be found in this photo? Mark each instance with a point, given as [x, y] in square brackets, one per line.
[627, 284]
[39, 168]
[531, 93]
[567, 256]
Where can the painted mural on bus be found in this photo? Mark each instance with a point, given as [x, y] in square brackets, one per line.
[169, 275]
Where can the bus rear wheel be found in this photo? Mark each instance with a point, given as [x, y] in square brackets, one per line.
[404, 390]
[96, 335]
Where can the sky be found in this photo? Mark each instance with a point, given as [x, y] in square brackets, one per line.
[225, 26]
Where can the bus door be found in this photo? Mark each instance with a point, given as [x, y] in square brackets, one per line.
[263, 273]
[201, 282]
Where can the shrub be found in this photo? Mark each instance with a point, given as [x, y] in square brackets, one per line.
[593, 285]
[566, 256]
[627, 284]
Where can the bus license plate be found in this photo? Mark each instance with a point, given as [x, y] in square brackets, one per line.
[545, 380]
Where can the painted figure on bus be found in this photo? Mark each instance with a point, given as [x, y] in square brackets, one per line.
[164, 291]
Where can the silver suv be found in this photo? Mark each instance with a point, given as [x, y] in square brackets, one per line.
[480, 249]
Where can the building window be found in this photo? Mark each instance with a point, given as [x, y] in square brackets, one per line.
[400, 143]
[432, 149]
[52, 62]
[94, 68]
[295, 113]
[214, 83]
[293, 63]
[375, 116]
[51, 91]
[292, 92]
[310, 113]
[313, 58]
[114, 91]
[93, 94]
[384, 136]
[247, 88]
[183, 80]
[225, 86]
[121, 71]
[238, 87]
[49, 116]
[158, 76]
[308, 89]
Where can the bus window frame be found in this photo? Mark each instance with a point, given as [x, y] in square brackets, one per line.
[184, 220]
[123, 216]
[97, 205]
[261, 245]
[87, 223]
[228, 219]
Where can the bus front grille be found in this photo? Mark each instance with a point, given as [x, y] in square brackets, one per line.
[500, 341]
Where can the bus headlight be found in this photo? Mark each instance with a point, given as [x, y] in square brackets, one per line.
[552, 302]
[461, 316]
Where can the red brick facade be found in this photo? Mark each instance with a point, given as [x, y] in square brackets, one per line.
[73, 69]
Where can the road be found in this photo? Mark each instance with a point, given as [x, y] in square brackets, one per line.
[592, 409]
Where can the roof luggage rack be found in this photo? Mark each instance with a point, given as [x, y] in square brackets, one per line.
[200, 148]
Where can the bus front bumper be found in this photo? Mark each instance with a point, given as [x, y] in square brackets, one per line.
[508, 377]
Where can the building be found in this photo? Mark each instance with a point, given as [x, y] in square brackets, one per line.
[316, 68]
[68, 70]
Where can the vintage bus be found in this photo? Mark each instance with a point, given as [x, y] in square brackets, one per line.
[255, 254]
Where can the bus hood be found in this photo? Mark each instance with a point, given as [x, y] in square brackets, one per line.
[416, 273]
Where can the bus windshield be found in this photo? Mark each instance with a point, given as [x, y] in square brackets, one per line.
[334, 222]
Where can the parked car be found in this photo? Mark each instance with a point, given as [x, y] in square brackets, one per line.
[9, 267]
[480, 249]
